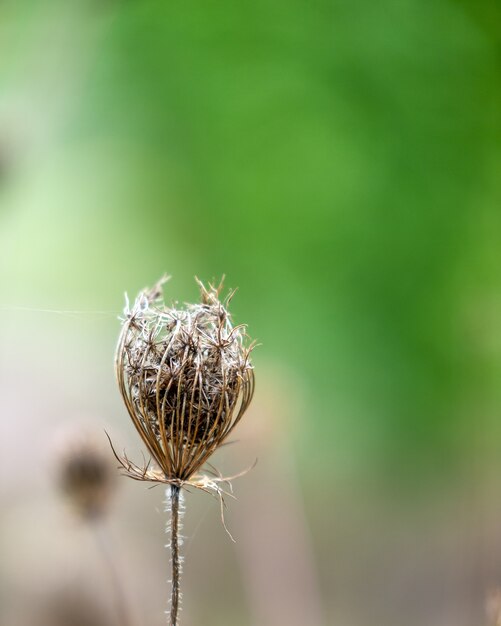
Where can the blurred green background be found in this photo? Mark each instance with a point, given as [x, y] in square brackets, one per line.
[339, 162]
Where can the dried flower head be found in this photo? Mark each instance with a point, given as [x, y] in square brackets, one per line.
[186, 380]
[86, 475]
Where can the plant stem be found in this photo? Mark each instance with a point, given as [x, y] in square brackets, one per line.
[103, 543]
[175, 494]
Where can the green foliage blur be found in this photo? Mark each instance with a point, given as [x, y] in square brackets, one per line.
[339, 161]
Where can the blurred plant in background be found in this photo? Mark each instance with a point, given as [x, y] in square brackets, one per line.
[340, 162]
[86, 474]
[87, 477]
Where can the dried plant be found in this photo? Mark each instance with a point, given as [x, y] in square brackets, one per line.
[85, 474]
[186, 379]
[88, 479]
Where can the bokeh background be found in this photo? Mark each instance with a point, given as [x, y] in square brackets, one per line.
[339, 161]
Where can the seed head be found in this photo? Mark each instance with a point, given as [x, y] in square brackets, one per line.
[86, 475]
[186, 380]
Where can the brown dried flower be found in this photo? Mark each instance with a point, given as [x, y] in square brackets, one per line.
[186, 380]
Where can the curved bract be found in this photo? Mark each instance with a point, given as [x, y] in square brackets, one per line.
[186, 379]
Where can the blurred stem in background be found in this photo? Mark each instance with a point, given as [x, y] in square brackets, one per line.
[87, 477]
[105, 548]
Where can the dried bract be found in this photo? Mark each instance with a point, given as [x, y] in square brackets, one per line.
[186, 380]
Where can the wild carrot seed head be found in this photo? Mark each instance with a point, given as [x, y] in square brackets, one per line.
[185, 376]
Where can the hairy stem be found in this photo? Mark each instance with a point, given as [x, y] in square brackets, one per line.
[175, 506]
